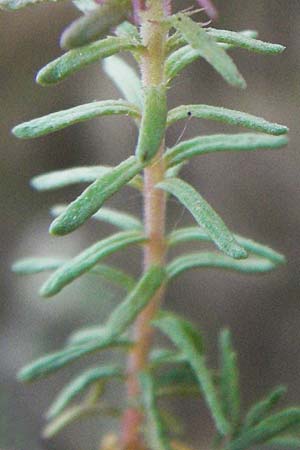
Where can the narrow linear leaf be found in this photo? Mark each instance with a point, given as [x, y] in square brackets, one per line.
[188, 234]
[246, 42]
[126, 28]
[91, 200]
[87, 259]
[119, 219]
[95, 24]
[285, 442]
[67, 177]
[78, 58]
[177, 381]
[225, 115]
[189, 341]
[52, 362]
[240, 142]
[125, 79]
[229, 379]
[204, 215]
[80, 384]
[162, 356]
[62, 119]
[214, 260]
[260, 410]
[153, 123]
[75, 414]
[208, 48]
[29, 266]
[267, 429]
[17, 4]
[156, 434]
[87, 335]
[135, 301]
[114, 276]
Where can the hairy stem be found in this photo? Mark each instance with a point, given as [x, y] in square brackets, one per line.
[154, 37]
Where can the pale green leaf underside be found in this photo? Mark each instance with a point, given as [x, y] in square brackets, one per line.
[218, 261]
[229, 379]
[119, 219]
[17, 4]
[62, 119]
[155, 431]
[204, 215]
[67, 177]
[208, 48]
[186, 338]
[34, 265]
[189, 234]
[125, 79]
[267, 429]
[78, 58]
[223, 142]
[80, 384]
[86, 260]
[91, 200]
[225, 115]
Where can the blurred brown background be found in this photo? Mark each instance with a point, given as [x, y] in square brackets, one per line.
[258, 194]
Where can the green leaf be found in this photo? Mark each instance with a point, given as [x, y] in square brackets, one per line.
[260, 410]
[80, 384]
[62, 119]
[227, 116]
[215, 260]
[29, 266]
[267, 429]
[208, 48]
[78, 58]
[87, 259]
[155, 431]
[162, 356]
[66, 177]
[125, 79]
[91, 200]
[85, 6]
[177, 381]
[285, 442]
[229, 379]
[76, 413]
[119, 219]
[153, 123]
[204, 215]
[17, 4]
[95, 24]
[135, 301]
[246, 42]
[189, 341]
[52, 362]
[87, 335]
[240, 142]
[188, 234]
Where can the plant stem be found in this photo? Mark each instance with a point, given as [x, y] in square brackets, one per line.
[152, 63]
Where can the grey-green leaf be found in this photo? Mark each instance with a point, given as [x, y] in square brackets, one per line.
[204, 215]
[269, 428]
[155, 431]
[95, 24]
[229, 379]
[17, 4]
[240, 142]
[29, 266]
[125, 79]
[153, 123]
[96, 333]
[78, 58]
[218, 261]
[227, 116]
[80, 384]
[86, 260]
[91, 200]
[189, 341]
[208, 48]
[261, 409]
[119, 219]
[62, 119]
[189, 234]
[246, 42]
